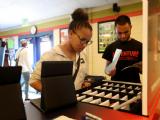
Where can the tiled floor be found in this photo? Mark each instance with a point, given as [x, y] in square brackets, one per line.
[32, 94]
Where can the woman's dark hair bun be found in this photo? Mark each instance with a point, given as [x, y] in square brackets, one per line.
[79, 14]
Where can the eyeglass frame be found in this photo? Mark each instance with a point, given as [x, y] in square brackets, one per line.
[81, 39]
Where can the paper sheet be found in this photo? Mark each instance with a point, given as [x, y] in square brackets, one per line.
[131, 92]
[98, 87]
[110, 88]
[110, 84]
[115, 104]
[101, 94]
[93, 93]
[125, 98]
[134, 65]
[106, 103]
[88, 99]
[81, 97]
[97, 101]
[104, 88]
[124, 91]
[116, 90]
[115, 97]
[130, 87]
[123, 86]
[114, 61]
[108, 95]
[62, 117]
[2, 54]
[116, 85]
[106, 84]
[87, 92]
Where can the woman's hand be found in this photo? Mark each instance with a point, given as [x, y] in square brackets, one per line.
[84, 85]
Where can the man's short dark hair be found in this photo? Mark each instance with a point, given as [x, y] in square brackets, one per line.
[122, 20]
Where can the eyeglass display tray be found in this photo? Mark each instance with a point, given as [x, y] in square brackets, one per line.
[111, 94]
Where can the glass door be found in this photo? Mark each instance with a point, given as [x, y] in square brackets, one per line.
[44, 46]
[31, 52]
[44, 43]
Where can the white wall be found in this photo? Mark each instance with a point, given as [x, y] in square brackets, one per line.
[56, 36]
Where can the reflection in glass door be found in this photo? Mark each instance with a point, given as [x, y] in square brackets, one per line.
[45, 46]
[30, 52]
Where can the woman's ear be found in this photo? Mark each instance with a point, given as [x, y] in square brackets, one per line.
[70, 34]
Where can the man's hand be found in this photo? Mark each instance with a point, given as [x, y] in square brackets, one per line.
[112, 73]
[139, 64]
[140, 67]
[84, 85]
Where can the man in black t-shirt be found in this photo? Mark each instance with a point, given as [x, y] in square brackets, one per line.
[131, 53]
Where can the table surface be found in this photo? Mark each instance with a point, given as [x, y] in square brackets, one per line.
[78, 110]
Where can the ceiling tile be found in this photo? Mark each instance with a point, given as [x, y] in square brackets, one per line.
[6, 24]
[19, 11]
[55, 10]
[7, 2]
[13, 11]
[112, 1]
[58, 2]
[71, 6]
[93, 3]
[36, 4]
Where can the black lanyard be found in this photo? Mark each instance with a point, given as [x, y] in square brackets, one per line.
[78, 65]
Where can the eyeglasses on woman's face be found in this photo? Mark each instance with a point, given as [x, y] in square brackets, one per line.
[84, 41]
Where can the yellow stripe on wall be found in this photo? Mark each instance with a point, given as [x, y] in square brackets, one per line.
[39, 26]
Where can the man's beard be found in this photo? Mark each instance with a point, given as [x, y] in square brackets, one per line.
[126, 40]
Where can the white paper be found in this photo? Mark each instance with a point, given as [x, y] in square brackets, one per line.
[139, 93]
[123, 91]
[108, 95]
[116, 85]
[115, 104]
[125, 98]
[62, 117]
[114, 61]
[131, 92]
[98, 87]
[116, 96]
[88, 99]
[106, 84]
[101, 94]
[116, 90]
[105, 103]
[136, 88]
[104, 88]
[93, 93]
[77, 95]
[97, 101]
[87, 92]
[110, 84]
[130, 87]
[81, 97]
[123, 86]
[109, 88]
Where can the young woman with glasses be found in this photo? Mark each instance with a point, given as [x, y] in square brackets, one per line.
[80, 33]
